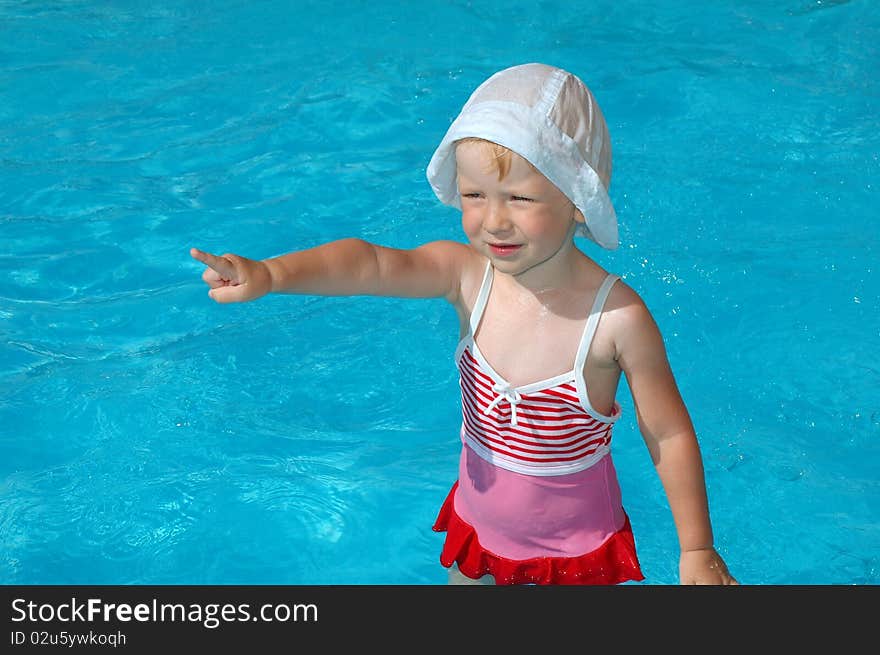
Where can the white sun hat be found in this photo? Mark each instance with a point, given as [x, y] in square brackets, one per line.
[550, 118]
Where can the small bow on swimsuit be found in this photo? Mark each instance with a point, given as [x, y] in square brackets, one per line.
[505, 392]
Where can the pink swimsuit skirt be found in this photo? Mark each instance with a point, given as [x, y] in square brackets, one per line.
[526, 529]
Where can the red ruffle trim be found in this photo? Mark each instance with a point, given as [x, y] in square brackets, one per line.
[613, 562]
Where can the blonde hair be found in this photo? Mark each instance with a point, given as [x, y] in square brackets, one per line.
[499, 156]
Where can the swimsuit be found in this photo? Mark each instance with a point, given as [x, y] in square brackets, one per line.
[537, 498]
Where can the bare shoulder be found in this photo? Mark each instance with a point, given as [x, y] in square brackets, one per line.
[626, 306]
[459, 263]
[631, 326]
[460, 255]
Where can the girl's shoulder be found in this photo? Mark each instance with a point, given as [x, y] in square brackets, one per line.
[463, 265]
[623, 298]
[628, 322]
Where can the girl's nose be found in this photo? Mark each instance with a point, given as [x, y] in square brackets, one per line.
[496, 219]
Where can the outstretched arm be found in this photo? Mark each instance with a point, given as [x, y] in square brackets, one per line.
[348, 267]
[670, 437]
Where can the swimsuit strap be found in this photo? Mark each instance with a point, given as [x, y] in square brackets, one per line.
[592, 323]
[482, 298]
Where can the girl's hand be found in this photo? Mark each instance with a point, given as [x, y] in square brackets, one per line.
[704, 566]
[233, 278]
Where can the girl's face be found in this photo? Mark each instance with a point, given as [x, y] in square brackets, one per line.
[520, 222]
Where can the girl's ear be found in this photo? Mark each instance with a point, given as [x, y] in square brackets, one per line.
[578, 216]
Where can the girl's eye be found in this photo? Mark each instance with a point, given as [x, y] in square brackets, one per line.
[521, 198]
[470, 195]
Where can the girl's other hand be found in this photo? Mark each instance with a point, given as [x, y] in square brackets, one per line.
[233, 278]
[704, 566]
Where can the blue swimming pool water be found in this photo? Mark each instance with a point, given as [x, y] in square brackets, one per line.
[150, 436]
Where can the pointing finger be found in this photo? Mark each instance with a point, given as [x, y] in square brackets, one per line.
[220, 264]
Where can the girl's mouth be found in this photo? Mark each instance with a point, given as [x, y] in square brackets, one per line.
[503, 250]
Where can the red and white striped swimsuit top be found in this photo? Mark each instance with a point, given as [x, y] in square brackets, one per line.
[543, 428]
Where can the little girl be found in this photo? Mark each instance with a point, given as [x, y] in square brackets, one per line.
[545, 334]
